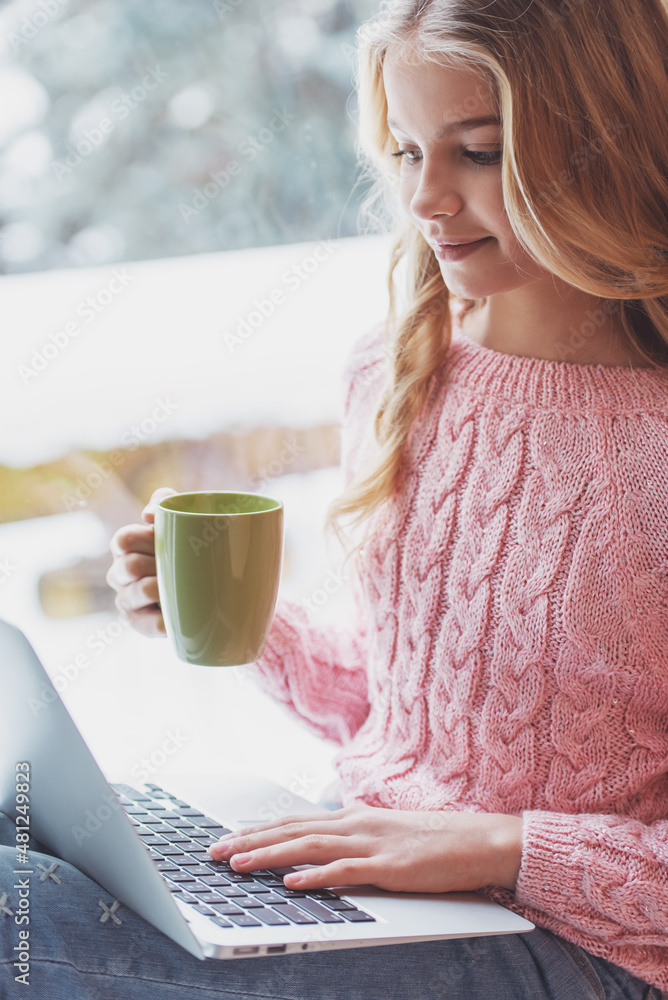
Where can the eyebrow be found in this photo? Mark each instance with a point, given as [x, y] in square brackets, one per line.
[464, 126]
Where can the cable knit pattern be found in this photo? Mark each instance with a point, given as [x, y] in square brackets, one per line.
[510, 648]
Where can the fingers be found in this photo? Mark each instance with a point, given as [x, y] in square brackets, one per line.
[134, 562]
[253, 838]
[345, 871]
[139, 595]
[133, 538]
[343, 861]
[149, 621]
[138, 603]
[133, 572]
[130, 568]
[133, 576]
[148, 512]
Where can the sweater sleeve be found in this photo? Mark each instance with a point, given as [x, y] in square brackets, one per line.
[318, 672]
[606, 875]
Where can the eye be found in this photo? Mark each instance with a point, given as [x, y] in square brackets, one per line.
[410, 153]
[480, 159]
[491, 159]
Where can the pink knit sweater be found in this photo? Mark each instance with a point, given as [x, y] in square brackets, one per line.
[510, 645]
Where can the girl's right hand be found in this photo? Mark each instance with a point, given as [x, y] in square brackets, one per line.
[132, 573]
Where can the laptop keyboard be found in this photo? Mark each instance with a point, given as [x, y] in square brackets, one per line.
[177, 836]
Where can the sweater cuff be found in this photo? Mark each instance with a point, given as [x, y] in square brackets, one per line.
[549, 868]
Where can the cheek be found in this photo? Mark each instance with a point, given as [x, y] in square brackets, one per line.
[407, 189]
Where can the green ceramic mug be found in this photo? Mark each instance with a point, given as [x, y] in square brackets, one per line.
[219, 557]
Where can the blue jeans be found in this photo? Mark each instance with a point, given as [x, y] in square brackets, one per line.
[81, 950]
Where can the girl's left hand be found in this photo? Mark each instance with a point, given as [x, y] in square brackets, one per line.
[398, 850]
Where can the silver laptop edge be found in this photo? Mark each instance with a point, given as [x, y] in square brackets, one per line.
[75, 813]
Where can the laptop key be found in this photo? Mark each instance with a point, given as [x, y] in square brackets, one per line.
[168, 849]
[295, 914]
[177, 837]
[239, 877]
[179, 824]
[288, 893]
[253, 887]
[208, 897]
[250, 902]
[202, 837]
[321, 894]
[216, 831]
[165, 866]
[227, 908]
[130, 793]
[271, 917]
[357, 916]
[185, 845]
[271, 881]
[339, 904]
[318, 910]
[231, 891]
[179, 876]
[195, 869]
[192, 831]
[269, 898]
[206, 823]
[245, 920]
[213, 879]
[222, 922]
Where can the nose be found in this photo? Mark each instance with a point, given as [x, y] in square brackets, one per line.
[436, 193]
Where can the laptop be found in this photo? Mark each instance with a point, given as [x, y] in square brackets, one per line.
[146, 844]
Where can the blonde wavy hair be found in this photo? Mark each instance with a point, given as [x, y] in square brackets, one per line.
[582, 90]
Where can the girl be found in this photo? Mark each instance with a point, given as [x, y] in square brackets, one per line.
[500, 700]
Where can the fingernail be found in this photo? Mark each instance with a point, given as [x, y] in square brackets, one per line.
[242, 859]
[217, 849]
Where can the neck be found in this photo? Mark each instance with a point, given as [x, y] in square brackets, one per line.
[578, 329]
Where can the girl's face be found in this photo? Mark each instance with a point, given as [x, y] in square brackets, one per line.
[450, 183]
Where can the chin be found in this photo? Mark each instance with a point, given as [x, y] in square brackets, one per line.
[470, 290]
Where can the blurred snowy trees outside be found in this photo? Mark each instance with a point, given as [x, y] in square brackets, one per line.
[136, 130]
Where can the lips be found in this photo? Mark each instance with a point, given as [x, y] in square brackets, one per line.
[456, 242]
[451, 253]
